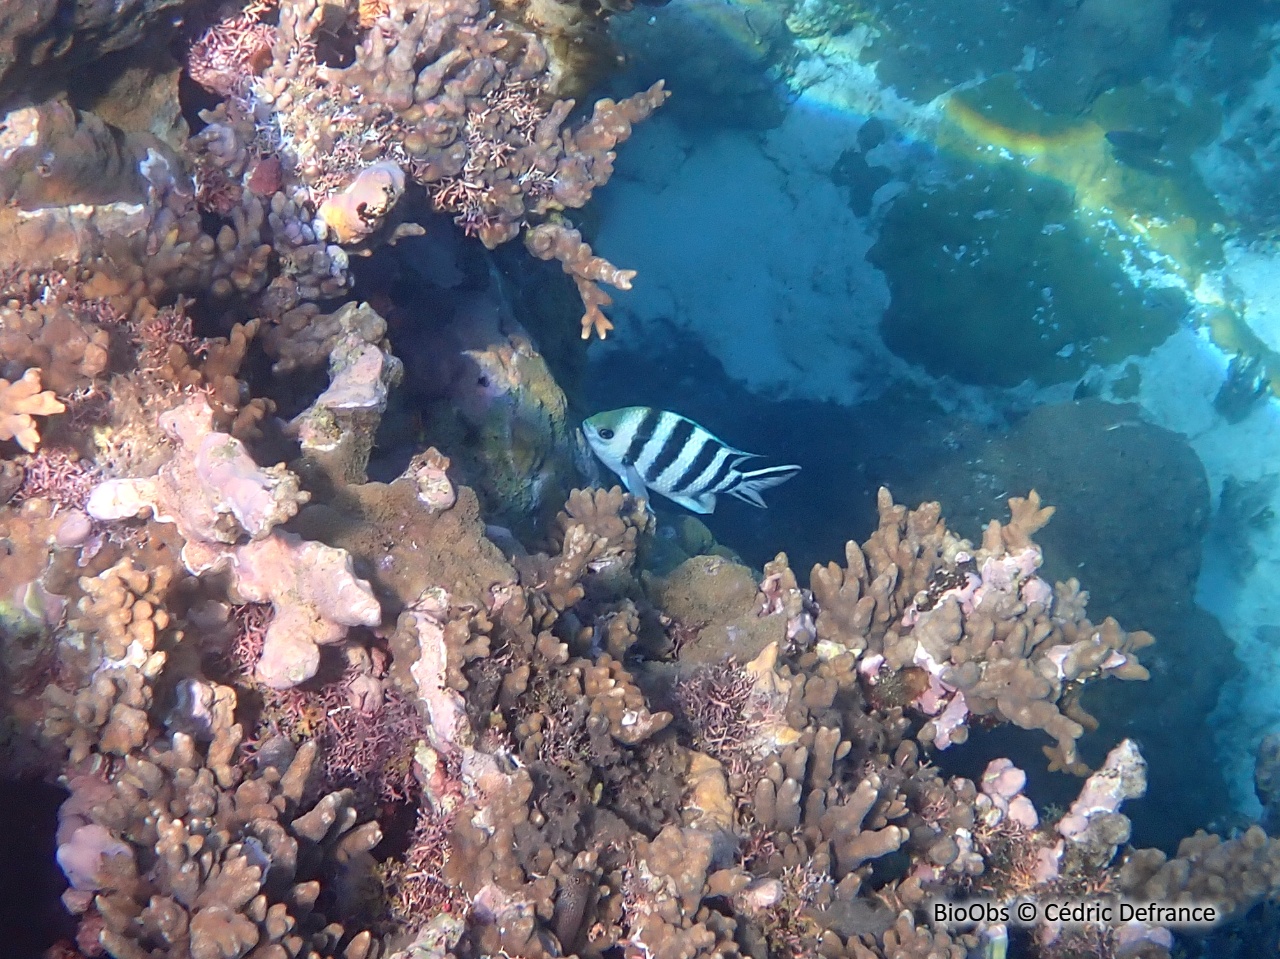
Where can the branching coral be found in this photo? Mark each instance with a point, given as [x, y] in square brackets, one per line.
[444, 93]
[20, 401]
[108, 716]
[992, 636]
[554, 241]
[124, 607]
[595, 539]
[45, 325]
[165, 852]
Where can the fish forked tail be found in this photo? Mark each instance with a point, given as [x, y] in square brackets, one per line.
[751, 485]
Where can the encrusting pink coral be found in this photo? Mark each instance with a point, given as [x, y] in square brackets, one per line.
[314, 592]
[227, 507]
[211, 489]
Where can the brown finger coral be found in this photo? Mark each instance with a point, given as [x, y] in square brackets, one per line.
[124, 606]
[165, 854]
[991, 637]
[19, 402]
[46, 325]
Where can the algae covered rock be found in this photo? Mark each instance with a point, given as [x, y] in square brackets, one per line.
[721, 597]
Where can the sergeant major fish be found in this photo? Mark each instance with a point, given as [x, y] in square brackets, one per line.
[674, 456]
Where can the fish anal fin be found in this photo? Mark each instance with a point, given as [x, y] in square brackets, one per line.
[751, 485]
[706, 503]
[750, 495]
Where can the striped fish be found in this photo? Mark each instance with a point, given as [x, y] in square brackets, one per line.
[664, 452]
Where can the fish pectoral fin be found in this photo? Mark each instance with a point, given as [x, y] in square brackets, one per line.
[706, 503]
[634, 482]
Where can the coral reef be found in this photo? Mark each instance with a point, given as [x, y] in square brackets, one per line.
[226, 508]
[306, 697]
[19, 402]
[577, 783]
[446, 94]
[176, 851]
[64, 339]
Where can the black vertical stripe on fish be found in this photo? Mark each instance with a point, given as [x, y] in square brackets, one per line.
[702, 484]
[671, 450]
[644, 433]
[706, 456]
[711, 485]
[666, 423]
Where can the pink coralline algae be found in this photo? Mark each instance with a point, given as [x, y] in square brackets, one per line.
[224, 58]
[54, 475]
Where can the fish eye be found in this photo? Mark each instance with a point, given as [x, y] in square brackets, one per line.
[606, 434]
